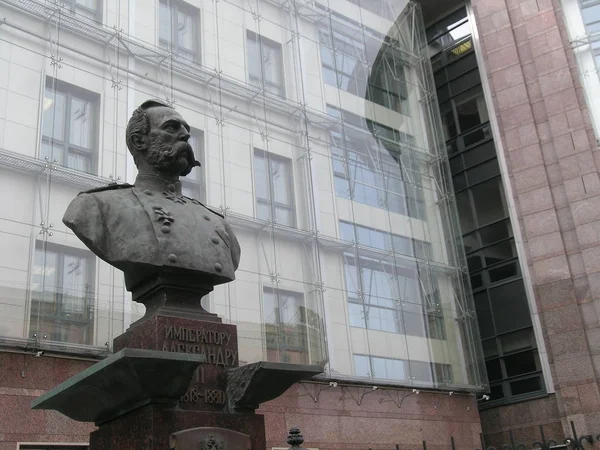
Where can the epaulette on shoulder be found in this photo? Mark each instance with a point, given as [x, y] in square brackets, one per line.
[214, 212]
[109, 187]
[196, 202]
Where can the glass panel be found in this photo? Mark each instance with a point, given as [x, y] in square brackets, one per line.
[165, 22]
[483, 172]
[503, 272]
[510, 307]
[79, 162]
[484, 315]
[495, 233]
[494, 370]
[44, 285]
[517, 341]
[490, 348]
[471, 110]
[521, 363]
[54, 114]
[496, 392]
[526, 386]
[81, 123]
[361, 366]
[76, 287]
[281, 182]
[489, 202]
[499, 252]
[261, 178]
[185, 31]
[465, 212]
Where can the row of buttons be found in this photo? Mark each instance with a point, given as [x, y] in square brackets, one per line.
[173, 259]
[166, 228]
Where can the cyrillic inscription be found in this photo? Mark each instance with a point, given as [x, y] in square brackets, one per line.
[203, 342]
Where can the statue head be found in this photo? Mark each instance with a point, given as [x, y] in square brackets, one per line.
[157, 137]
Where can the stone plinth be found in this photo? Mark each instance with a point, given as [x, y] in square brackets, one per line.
[216, 341]
[151, 427]
[127, 380]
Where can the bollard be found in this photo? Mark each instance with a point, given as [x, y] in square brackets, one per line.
[295, 439]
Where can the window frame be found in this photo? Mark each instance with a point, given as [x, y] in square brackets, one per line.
[430, 314]
[60, 317]
[176, 6]
[261, 81]
[351, 143]
[505, 381]
[282, 345]
[70, 92]
[95, 14]
[268, 157]
[389, 239]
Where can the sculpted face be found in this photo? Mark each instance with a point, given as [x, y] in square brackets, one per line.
[167, 148]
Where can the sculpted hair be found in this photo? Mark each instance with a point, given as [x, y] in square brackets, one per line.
[140, 124]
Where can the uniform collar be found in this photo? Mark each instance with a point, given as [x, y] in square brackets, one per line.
[157, 184]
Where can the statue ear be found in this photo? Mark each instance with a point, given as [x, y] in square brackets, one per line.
[139, 142]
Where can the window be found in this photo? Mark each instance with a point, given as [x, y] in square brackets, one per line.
[70, 126]
[395, 298]
[374, 165]
[383, 240]
[88, 8]
[62, 297]
[499, 294]
[513, 367]
[387, 84]
[481, 205]
[450, 38]
[274, 188]
[265, 64]
[464, 113]
[286, 318]
[346, 52]
[399, 369]
[178, 24]
[194, 185]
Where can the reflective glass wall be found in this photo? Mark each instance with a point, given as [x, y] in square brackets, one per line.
[318, 130]
[510, 349]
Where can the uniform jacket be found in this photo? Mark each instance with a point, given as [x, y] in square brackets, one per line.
[152, 225]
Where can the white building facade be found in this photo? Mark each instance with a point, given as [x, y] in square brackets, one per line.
[319, 136]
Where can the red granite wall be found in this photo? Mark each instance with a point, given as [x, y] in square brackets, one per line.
[553, 165]
[23, 378]
[337, 421]
[523, 420]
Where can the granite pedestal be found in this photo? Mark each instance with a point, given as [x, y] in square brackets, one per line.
[171, 374]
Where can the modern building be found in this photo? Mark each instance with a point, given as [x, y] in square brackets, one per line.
[516, 85]
[342, 140]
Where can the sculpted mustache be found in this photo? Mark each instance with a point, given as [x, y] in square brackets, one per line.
[184, 147]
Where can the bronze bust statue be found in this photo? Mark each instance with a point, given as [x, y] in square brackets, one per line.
[149, 230]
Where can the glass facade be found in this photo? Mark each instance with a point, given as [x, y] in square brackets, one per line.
[505, 323]
[319, 134]
[582, 19]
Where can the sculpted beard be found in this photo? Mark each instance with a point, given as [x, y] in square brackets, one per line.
[177, 159]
